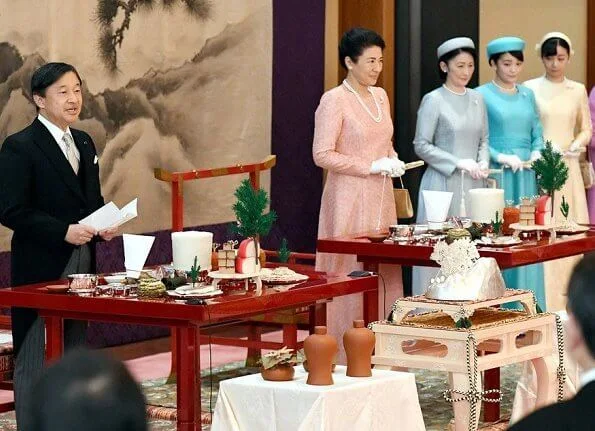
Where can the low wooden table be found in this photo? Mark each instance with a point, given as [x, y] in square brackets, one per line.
[433, 341]
[185, 320]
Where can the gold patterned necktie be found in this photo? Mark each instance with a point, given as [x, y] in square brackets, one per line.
[70, 153]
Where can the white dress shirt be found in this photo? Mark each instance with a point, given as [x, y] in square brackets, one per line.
[58, 134]
[587, 377]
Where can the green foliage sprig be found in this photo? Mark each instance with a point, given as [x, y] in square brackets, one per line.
[550, 169]
[284, 252]
[497, 224]
[195, 270]
[463, 322]
[249, 210]
[564, 207]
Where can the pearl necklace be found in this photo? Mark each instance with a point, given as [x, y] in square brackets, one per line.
[506, 90]
[377, 118]
[454, 92]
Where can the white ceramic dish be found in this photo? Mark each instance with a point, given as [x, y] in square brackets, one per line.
[118, 277]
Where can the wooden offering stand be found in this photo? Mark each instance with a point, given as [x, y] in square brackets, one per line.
[177, 179]
[492, 338]
[518, 228]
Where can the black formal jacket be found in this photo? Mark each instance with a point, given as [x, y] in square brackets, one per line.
[40, 195]
[575, 414]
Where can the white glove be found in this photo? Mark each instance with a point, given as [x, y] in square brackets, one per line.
[575, 147]
[572, 154]
[535, 155]
[484, 168]
[382, 166]
[511, 160]
[471, 166]
[398, 167]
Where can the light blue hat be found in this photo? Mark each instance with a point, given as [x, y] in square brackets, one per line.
[505, 44]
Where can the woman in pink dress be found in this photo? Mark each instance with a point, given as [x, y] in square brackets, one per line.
[353, 142]
[591, 191]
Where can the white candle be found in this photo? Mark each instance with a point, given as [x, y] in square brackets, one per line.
[485, 203]
[187, 245]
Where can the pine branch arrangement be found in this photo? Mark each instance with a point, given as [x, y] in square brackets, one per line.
[284, 252]
[550, 169]
[249, 210]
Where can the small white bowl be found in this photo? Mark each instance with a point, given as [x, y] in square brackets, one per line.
[115, 278]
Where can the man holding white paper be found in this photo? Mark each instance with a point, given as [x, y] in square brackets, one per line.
[49, 180]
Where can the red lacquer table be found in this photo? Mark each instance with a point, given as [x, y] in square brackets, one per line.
[529, 252]
[185, 320]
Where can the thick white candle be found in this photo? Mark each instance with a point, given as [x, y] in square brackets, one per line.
[187, 245]
[485, 203]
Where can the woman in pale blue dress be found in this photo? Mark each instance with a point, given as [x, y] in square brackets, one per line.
[451, 136]
[516, 137]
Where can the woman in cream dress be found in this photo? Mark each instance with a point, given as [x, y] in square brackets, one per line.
[564, 111]
[353, 142]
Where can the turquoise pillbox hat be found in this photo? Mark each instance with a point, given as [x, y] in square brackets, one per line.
[505, 44]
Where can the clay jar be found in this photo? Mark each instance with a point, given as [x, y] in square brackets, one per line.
[359, 344]
[320, 349]
[278, 373]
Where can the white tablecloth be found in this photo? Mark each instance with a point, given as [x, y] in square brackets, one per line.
[386, 401]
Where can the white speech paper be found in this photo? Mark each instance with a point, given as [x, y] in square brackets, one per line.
[109, 216]
[136, 251]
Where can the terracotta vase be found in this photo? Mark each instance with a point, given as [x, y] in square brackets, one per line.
[320, 349]
[359, 344]
[307, 369]
[278, 373]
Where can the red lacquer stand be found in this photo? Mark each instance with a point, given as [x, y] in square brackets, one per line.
[177, 179]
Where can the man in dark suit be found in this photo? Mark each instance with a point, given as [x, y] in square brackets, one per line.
[49, 179]
[577, 413]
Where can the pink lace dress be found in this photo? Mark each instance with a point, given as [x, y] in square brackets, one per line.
[346, 141]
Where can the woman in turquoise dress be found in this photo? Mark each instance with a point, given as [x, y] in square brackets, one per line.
[515, 140]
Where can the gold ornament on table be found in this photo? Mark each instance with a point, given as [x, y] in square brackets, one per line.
[150, 287]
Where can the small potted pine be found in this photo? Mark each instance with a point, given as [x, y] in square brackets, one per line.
[551, 172]
[252, 220]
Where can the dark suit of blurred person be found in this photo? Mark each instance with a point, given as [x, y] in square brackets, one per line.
[577, 413]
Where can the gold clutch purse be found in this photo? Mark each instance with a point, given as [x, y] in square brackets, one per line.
[587, 172]
[403, 202]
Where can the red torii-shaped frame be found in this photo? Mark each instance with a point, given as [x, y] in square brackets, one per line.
[176, 179]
